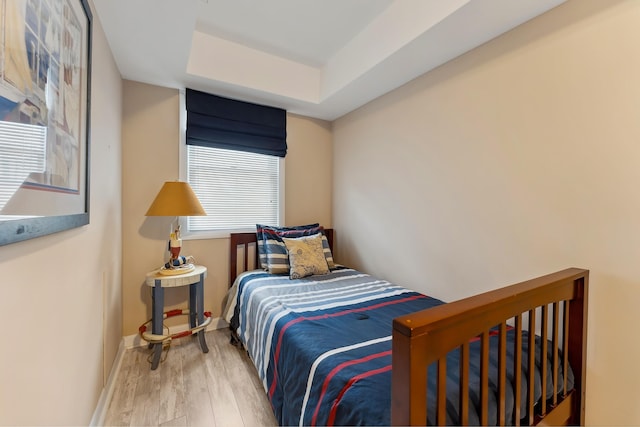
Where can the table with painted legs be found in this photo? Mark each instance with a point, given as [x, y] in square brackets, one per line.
[158, 282]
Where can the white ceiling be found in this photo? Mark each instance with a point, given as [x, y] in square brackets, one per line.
[319, 58]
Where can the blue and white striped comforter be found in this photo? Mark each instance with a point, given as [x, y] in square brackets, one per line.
[322, 345]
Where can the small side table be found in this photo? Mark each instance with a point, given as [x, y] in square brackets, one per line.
[195, 280]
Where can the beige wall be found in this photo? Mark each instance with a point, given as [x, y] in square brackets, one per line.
[151, 135]
[517, 159]
[61, 295]
[308, 171]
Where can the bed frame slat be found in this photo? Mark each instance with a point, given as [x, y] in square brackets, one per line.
[502, 374]
[484, 379]
[442, 392]
[464, 384]
[531, 349]
[517, 368]
[565, 348]
[555, 348]
[543, 358]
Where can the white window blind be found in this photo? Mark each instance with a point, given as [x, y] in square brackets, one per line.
[237, 189]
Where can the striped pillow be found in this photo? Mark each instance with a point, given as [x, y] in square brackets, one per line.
[327, 252]
[276, 256]
[262, 254]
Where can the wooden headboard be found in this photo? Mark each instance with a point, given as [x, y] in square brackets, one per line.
[245, 243]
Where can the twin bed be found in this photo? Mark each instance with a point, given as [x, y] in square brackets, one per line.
[345, 348]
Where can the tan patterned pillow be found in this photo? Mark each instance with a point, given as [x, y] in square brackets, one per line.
[306, 256]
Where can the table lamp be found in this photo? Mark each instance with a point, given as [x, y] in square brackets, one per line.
[176, 198]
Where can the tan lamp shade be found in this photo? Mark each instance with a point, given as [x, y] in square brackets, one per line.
[176, 198]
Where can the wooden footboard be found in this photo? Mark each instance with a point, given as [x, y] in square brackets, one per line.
[426, 337]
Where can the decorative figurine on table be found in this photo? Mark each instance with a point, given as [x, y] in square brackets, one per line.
[175, 244]
[177, 264]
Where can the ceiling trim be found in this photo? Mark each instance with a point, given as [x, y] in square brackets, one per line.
[405, 40]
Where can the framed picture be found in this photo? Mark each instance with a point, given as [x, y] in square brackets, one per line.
[45, 80]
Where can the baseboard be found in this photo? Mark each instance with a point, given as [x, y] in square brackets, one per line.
[131, 341]
[100, 412]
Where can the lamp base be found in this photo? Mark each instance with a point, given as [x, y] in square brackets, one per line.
[185, 268]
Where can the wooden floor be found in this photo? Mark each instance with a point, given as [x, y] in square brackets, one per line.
[190, 388]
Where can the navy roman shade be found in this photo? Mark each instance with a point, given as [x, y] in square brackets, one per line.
[217, 122]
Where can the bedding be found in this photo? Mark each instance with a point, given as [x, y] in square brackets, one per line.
[322, 348]
[272, 251]
[294, 231]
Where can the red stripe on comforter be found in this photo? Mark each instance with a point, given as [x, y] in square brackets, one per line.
[325, 316]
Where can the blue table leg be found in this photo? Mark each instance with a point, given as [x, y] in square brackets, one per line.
[199, 305]
[193, 306]
[157, 307]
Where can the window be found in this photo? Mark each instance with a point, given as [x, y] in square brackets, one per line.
[237, 189]
[234, 153]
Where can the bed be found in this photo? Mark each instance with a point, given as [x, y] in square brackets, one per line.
[345, 348]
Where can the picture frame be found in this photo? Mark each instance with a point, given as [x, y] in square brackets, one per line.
[45, 84]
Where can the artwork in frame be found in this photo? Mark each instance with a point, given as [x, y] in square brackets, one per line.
[45, 73]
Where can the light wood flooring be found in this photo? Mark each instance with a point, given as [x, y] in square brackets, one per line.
[190, 388]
